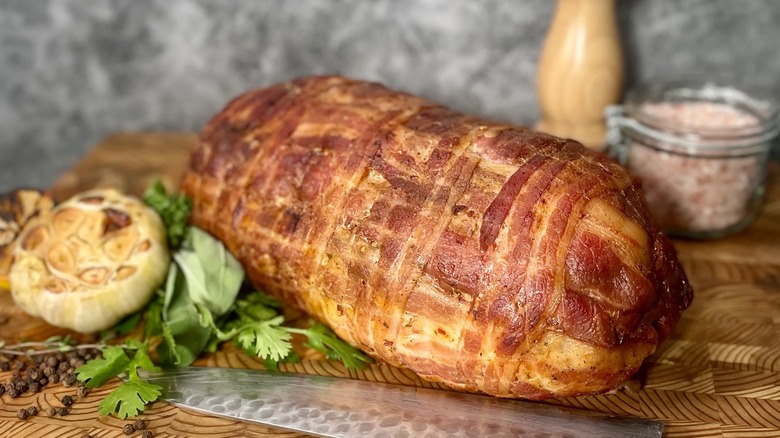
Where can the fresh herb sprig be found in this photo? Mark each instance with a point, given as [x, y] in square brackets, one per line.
[174, 209]
[132, 395]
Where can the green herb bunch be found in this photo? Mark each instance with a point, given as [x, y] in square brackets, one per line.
[199, 307]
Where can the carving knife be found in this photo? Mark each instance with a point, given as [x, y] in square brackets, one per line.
[335, 407]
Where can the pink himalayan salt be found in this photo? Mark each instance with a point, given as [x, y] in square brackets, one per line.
[694, 192]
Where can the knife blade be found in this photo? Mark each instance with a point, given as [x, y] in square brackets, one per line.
[336, 407]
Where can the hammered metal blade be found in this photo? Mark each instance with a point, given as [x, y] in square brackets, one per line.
[333, 407]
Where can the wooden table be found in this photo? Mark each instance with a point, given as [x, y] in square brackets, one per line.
[719, 375]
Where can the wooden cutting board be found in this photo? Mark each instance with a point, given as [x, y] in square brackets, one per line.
[718, 376]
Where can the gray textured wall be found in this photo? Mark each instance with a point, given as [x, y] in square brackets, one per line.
[73, 70]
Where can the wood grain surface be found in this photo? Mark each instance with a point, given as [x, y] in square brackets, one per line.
[718, 376]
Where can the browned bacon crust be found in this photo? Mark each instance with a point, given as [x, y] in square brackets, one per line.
[486, 256]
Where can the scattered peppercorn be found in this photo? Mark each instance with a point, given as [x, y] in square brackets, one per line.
[34, 373]
[51, 411]
[32, 411]
[82, 392]
[62, 411]
[48, 371]
[52, 361]
[67, 401]
[128, 429]
[68, 380]
[147, 434]
[43, 381]
[63, 366]
[54, 378]
[22, 414]
[139, 424]
[34, 387]
[13, 392]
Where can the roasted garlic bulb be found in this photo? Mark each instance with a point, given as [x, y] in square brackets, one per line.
[93, 260]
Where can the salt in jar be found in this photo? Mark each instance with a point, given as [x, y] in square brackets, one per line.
[700, 151]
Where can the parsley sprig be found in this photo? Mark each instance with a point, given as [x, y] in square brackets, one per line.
[199, 307]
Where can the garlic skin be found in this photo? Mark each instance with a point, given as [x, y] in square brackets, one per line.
[94, 259]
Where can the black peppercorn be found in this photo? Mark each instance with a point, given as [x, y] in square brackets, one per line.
[82, 392]
[43, 381]
[54, 378]
[48, 371]
[128, 429]
[13, 392]
[67, 400]
[62, 411]
[34, 387]
[63, 366]
[51, 412]
[33, 373]
[147, 434]
[22, 414]
[52, 361]
[15, 374]
[68, 380]
[32, 411]
[139, 425]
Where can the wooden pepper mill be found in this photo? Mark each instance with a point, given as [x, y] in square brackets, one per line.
[580, 71]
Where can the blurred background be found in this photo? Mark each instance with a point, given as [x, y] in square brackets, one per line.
[72, 71]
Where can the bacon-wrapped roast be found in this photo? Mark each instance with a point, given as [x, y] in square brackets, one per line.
[489, 257]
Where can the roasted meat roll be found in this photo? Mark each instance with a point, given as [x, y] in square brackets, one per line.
[486, 256]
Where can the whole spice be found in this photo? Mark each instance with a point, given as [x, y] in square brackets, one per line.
[68, 380]
[51, 411]
[52, 361]
[22, 414]
[43, 381]
[32, 411]
[34, 387]
[128, 429]
[62, 411]
[13, 392]
[34, 373]
[147, 434]
[54, 378]
[67, 401]
[139, 424]
[82, 392]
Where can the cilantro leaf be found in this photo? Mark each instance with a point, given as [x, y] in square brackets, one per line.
[320, 338]
[266, 339]
[96, 372]
[174, 210]
[129, 398]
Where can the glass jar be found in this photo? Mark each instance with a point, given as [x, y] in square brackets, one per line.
[700, 151]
